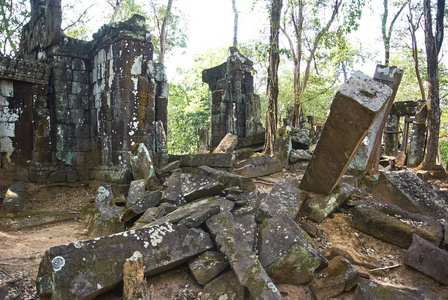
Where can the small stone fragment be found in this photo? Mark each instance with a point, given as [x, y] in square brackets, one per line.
[207, 266]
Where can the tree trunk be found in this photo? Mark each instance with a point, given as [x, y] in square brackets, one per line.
[432, 43]
[272, 92]
[412, 29]
[163, 32]
[387, 33]
[235, 24]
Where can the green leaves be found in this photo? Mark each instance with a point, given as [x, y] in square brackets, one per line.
[14, 14]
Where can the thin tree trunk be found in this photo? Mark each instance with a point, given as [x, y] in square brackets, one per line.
[432, 43]
[163, 32]
[235, 24]
[387, 33]
[413, 28]
[272, 92]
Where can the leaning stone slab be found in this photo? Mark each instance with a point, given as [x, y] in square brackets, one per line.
[227, 179]
[172, 192]
[428, 259]
[354, 109]
[150, 199]
[214, 160]
[282, 150]
[319, 206]
[150, 215]
[225, 286]
[207, 266]
[227, 144]
[136, 192]
[197, 186]
[369, 290]
[409, 192]
[283, 199]
[258, 166]
[230, 240]
[195, 213]
[394, 225]
[286, 253]
[84, 270]
[141, 164]
[13, 198]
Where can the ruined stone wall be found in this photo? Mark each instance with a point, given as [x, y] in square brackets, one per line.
[235, 108]
[71, 110]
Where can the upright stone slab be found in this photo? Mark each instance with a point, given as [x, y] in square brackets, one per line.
[84, 270]
[417, 143]
[230, 240]
[354, 109]
[141, 163]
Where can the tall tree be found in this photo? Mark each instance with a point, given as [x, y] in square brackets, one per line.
[272, 90]
[311, 22]
[387, 32]
[433, 44]
[14, 15]
[162, 21]
[235, 24]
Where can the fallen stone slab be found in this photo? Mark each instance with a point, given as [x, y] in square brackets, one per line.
[257, 166]
[196, 186]
[298, 155]
[195, 213]
[252, 140]
[12, 202]
[150, 199]
[84, 270]
[150, 215]
[341, 276]
[142, 166]
[283, 199]
[428, 259]
[319, 206]
[299, 138]
[231, 242]
[227, 179]
[225, 286]
[136, 192]
[172, 192]
[26, 220]
[214, 160]
[227, 144]
[355, 107]
[106, 216]
[171, 166]
[286, 253]
[369, 290]
[207, 266]
[394, 225]
[409, 192]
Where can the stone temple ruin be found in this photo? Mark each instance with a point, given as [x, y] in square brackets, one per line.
[74, 110]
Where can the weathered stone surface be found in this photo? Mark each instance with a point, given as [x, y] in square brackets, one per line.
[225, 286]
[83, 270]
[227, 179]
[136, 192]
[354, 109]
[299, 155]
[150, 199]
[230, 240]
[428, 259]
[369, 290]
[283, 200]
[341, 276]
[134, 283]
[12, 202]
[194, 213]
[171, 166]
[197, 186]
[394, 225]
[149, 216]
[286, 253]
[207, 266]
[417, 145]
[258, 166]
[409, 192]
[282, 150]
[252, 140]
[106, 217]
[299, 138]
[172, 192]
[227, 144]
[214, 160]
[142, 166]
[319, 206]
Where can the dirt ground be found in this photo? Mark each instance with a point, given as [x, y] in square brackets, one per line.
[21, 247]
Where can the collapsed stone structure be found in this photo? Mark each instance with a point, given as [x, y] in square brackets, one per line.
[235, 108]
[71, 110]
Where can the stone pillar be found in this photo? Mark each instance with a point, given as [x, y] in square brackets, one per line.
[417, 142]
[235, 108]
[354, 109]
[391, 136]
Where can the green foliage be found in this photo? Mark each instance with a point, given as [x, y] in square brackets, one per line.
[14, 14]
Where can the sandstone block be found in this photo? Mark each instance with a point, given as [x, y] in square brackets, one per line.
[13, 198]
[227, 144]
[227, 179]
[207, 266]
[258, 166]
